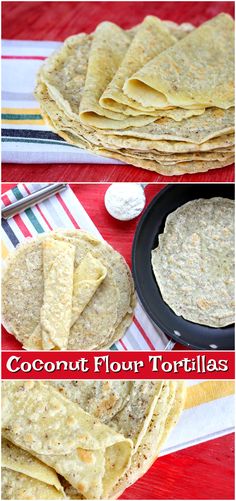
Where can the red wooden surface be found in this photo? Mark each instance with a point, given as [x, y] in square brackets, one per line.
[56, 21]
[205, 471]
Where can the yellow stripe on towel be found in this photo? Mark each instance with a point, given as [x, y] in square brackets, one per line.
[22, 111]
[207, 391]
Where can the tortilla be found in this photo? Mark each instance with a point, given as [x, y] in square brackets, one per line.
[56, 311]
[102, 306]
[195, 72]
[20, 461]
[138, 415]
[90, 455]
[194, 261]
[151, 39]
[125, 406]
[132, 137]
[19, 486]
[213, 123]
[174, 169]
[167, 412]
[77, 74]
[64, 73]
[102, 399]
[85, 102]
[88, 276]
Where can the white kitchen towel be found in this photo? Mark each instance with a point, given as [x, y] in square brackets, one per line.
[209, 414]
[25, 136]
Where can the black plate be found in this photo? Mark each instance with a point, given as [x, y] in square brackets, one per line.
[146, 238]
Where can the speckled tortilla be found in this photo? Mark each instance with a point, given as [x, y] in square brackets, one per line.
[151, 39]
[125, 406]
[165, 416]
[197, 71]
[81, 285]
[108, 47]
[138, 417]
[78, 73]
[19, 486]
[132, 138]
[213, 123]
[194, 261]
[90, 455]
[107, 307]
[56, 310]
[207, 133]
[18, 460]
[79, 89]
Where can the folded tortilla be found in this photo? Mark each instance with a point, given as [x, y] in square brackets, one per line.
[89, 454]
[56, 311]
[88, 276]
[166, 413]
[21, 461]
[151, 39]
[17, 485]
[108, 47]
[197, 71]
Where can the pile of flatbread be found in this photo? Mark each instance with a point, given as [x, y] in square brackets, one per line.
[67, 290]
[83, 439]
[159, 96]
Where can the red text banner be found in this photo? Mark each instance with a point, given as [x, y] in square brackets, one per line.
[118, 365]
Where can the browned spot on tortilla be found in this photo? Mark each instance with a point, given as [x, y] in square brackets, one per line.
[204, 304]
[85, 456]
[105, 405]
[80, 487]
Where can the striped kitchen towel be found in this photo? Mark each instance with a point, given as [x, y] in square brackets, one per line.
[208, 414]
[64, 210]
[25, 136]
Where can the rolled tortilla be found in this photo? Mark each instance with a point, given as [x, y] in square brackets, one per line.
[90, 455]
[56, 311]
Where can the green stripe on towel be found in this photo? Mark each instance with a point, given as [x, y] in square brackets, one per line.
[28, 212]
[11, 116]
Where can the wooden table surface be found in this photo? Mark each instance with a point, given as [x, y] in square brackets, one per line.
[56, 21]
[205, 471]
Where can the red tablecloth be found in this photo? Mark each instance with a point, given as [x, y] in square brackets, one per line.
[56, 21]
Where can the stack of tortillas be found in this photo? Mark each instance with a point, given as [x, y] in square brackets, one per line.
[159, 96]
[67, 290]
[83, 439]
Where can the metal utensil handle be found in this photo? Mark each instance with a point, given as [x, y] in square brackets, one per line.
[32, 199]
